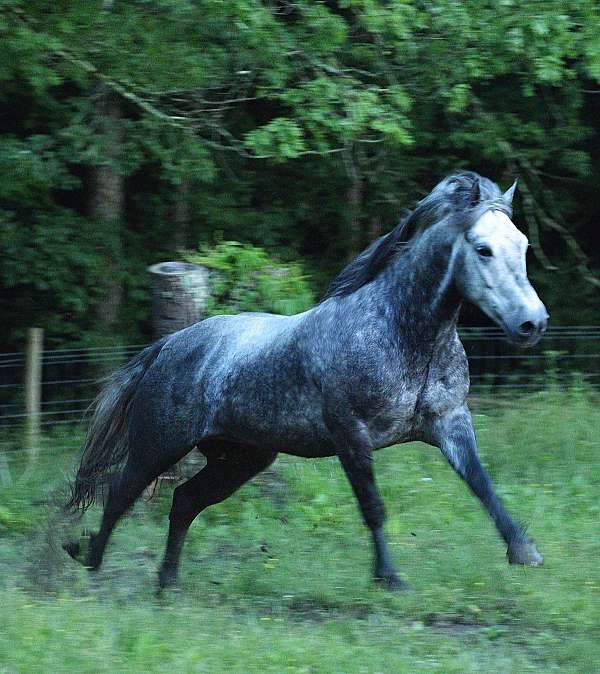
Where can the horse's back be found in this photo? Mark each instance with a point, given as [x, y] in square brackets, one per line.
[180, 398]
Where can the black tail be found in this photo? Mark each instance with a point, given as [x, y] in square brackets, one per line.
[106, 444]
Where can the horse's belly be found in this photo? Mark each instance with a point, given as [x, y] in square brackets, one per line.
[312, 451]
[291, 423]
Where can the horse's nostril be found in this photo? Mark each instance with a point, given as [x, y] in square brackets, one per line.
[526, 328]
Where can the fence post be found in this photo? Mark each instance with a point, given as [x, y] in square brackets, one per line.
[5, 477]
[33, 389]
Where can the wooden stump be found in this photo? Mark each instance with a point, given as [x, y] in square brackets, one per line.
[180, 291]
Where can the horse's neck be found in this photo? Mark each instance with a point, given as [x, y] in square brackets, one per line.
[420, 288]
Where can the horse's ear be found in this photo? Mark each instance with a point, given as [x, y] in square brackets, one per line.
[510, 193]
[475, 195]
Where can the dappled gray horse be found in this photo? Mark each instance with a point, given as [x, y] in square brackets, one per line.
[376, 363]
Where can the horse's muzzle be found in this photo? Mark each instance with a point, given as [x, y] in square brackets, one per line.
[527, 333]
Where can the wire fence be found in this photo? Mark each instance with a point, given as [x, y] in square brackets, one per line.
[71, 377]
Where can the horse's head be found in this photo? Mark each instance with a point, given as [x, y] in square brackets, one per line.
[491, 273]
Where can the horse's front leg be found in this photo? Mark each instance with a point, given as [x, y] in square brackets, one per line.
[355, 453]
[455, 436]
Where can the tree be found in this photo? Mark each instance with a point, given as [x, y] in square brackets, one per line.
[304, 127]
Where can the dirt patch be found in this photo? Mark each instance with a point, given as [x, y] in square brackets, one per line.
[313, 610]
[46, 566]
[455, 623]
[271, 484]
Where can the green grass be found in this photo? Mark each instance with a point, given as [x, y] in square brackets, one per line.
[277, 579]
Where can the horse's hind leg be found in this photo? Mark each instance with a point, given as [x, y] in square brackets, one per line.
[228, 468]
[122, 493]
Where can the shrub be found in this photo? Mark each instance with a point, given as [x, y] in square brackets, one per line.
[247, 278]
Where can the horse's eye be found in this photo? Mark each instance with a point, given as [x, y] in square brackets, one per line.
[484, 251]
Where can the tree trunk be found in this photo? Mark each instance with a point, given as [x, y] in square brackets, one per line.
[354, 197]
[374, 229]
[107, 201]
[181, 215]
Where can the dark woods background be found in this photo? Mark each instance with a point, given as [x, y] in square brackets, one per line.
[132, 131]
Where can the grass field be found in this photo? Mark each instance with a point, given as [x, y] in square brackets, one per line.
[277, 579]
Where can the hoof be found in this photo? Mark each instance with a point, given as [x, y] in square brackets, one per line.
[524, 553]
[73, 549]
[392, 583]
[171, 588]
[79, 550]
[166, 581]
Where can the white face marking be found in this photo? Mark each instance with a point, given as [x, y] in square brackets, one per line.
[496, 231]
[493, 273]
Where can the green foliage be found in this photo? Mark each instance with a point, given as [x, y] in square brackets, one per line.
[49, 275]
[281, 124]
[281, 138]
[246, 278]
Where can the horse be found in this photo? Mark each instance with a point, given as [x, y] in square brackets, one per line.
[377, 362]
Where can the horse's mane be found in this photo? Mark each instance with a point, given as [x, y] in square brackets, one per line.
[461, 197]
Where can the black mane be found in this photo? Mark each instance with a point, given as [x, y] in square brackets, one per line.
[463, 197]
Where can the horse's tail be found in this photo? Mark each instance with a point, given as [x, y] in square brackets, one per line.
[106, 444]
